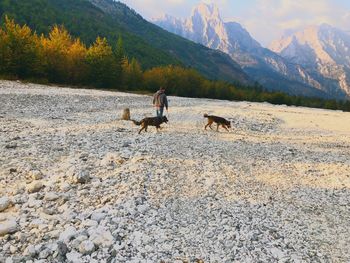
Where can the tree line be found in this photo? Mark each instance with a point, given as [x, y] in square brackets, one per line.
[61, 58]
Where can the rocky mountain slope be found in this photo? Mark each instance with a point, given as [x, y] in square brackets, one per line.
[322, 50]
[211, 63]
[275, 72]
[77, 184]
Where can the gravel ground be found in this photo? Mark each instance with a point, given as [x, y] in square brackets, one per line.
[79, 185]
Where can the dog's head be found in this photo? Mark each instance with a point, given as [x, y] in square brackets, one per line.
[165, 119]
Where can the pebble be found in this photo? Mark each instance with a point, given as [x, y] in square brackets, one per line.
[81, 177]
[51, 196]
[86, 247]
[36, 175]
[68, 234]
[4, 203]
[97, 216]
[101, 236]
[8, 227]
[34, 187]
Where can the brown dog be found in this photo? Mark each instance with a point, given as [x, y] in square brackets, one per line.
[153, 121]
[219, 122]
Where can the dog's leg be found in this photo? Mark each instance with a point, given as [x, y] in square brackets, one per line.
[217, 127]
[142, 128]
[225, 127]
[206, 126]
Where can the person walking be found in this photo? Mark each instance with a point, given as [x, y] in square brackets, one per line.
[160, 101]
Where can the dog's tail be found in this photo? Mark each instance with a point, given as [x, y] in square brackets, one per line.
[206, 116]
[138, 123]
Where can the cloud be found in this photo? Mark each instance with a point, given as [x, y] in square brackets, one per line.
[154, 8]
[270, 18]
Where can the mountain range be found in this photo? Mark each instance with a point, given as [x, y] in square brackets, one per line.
[323, 51]
[313, 62]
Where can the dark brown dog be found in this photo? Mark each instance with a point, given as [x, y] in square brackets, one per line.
[219, 122]
[154, 121]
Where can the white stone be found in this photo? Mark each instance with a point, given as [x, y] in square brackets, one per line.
[74, 257]
[44, 253]
[65, 186]
[86, 247]
[8, 227]
[34, 187]
[89, 223]
[51, 196]
[277, 253]
[4, 203]
[32, 202]
[98, 216]
[101, 236]
[81, 177]
[38, 223]
[36, 175]
[13, 249]
[68, 234]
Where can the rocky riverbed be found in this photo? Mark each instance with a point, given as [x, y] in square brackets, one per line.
[77, 184]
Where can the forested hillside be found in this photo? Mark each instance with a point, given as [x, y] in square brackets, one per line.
[149, 44]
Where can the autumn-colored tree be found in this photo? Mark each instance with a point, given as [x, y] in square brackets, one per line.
[56, 49]
[20, 50]
[77, 65]
[101, 64]
[65, 57]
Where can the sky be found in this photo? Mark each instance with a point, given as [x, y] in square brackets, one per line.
[266, 20]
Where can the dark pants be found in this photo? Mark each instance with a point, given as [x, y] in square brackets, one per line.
[160, 111]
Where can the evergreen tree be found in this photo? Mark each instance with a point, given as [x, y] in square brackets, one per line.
[3, 52]
[120, 60]
[101, 64]
[132, 75]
